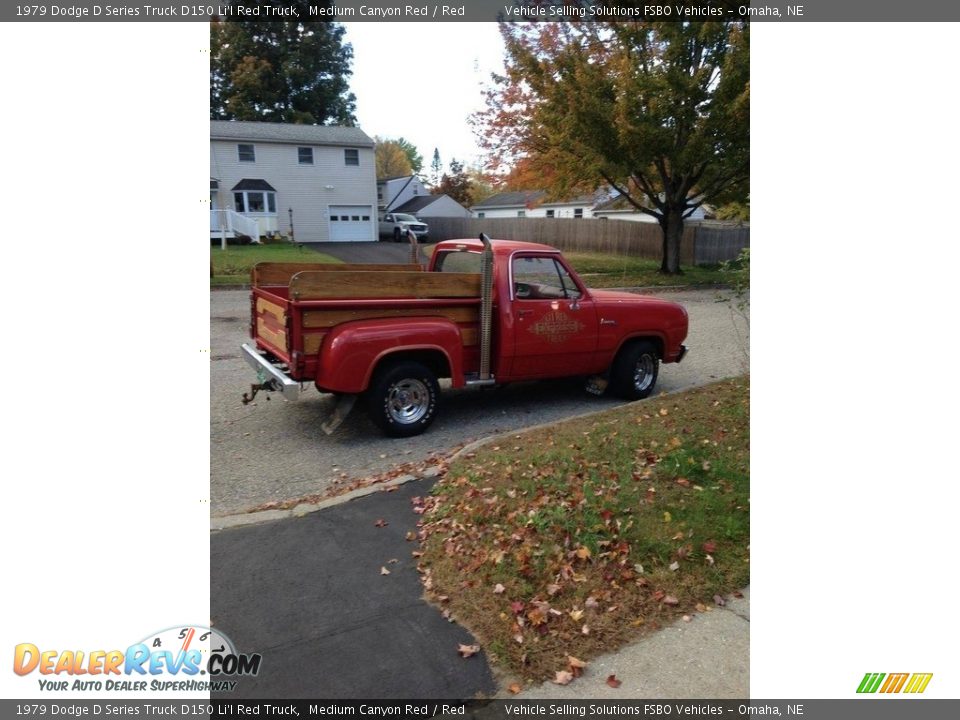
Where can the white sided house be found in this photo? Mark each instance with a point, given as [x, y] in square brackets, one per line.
[408, 194]
[618, 208]
[311, 183]
[532, 204]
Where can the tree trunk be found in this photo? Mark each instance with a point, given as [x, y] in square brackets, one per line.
[672, 226]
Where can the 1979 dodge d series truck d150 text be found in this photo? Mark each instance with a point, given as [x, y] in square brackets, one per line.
[485, 312]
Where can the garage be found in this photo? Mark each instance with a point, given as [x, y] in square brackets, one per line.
[351, 223]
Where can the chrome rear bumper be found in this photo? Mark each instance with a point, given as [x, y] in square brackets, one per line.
[267, 372]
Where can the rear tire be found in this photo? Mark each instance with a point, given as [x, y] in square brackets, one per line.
[633, 374]
[403, 397]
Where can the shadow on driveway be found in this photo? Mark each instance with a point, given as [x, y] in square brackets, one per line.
[308, 595]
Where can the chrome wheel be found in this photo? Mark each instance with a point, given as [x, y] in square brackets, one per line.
[408, 401]
[644, 372]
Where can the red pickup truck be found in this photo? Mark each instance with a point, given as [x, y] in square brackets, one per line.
[485, 312]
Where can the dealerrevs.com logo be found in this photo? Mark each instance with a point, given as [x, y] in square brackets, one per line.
[182, 659]
[894, 683]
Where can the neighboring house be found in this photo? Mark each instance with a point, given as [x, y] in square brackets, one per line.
[408, 194]
[431, 206]
[395, 191]
[322, 178]
[619, 209]
[532, 203]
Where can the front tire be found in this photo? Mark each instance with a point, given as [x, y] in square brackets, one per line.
[403, 397]
[634, 371]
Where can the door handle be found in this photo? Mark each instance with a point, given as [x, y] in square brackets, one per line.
[524, 313]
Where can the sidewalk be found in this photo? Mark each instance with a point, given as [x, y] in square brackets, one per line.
[708, 657]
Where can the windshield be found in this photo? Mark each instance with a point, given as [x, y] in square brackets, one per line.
[403, 217]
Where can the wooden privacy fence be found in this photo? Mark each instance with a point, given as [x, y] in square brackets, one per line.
[701, 244]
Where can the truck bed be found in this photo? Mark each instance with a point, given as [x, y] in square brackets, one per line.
[294, 308]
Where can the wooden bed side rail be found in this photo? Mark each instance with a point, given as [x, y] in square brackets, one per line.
[389, 284]
[274, 273]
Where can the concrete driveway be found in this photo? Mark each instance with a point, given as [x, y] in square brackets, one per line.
[274, 450]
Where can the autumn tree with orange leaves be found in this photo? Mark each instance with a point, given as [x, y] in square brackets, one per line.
[659, 111]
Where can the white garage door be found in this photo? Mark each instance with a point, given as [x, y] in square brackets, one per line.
[351, 223]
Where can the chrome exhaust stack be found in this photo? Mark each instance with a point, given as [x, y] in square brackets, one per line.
[486, 308]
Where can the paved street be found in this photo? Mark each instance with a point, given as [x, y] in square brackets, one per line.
[274, 450]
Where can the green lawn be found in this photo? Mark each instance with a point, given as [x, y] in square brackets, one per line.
[232, 266]
[573, 540]
[600, 271]
[605, 271]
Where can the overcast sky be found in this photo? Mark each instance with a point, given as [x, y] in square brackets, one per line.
[421, 81]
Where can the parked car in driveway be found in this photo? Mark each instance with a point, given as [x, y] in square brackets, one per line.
[396, 225]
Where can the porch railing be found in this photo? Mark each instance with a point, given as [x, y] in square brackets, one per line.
[233, 222]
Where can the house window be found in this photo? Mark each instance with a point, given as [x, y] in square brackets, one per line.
[578, 213]
[521, 213]
[245, 153]
[305, 156]
[255, 201]
[481, 214]
[550, 213]
[351, 156]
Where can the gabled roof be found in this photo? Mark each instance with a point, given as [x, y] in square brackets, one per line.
[415, 204]
[578, 200]
[615, 204]
[289, 133]
[522, 198]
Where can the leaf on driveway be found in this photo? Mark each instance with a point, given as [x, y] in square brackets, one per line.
[563, 677]
[381, 523]
[718, 599]
[468, 650]
[613, 682]
[514, 688]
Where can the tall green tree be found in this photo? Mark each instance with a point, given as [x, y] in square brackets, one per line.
[272, 71]
[660, 111]
[436, 168]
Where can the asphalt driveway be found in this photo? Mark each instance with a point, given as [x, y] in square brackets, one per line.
[366, 252]
[310, 596]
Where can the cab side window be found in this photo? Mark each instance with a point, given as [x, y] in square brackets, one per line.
[542, 278]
